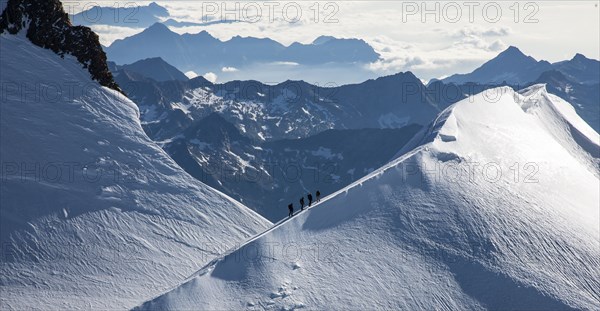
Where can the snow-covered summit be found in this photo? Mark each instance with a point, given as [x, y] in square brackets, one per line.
[493, 208]
[94, 215]
[537, 106]
[560, 120]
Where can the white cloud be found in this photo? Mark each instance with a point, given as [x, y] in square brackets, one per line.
[497, 45]
[190, 74]
[210, 76]
[286, 63]
[479, 31]
[478, 43]
[229, 69]
[108, 33]
[459, 55]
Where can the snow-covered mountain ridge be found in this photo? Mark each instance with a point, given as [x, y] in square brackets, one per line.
[292, 109]
[493, 208]
[94, 215]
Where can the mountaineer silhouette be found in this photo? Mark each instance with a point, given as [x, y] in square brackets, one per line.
[318, 196]
[291, 209]
[309, 199]
[302, 203]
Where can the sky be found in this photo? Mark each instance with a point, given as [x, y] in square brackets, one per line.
[432, 39]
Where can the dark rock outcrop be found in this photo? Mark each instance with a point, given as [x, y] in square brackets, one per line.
[48, 26]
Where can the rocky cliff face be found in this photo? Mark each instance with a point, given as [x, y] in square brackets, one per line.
[48, 26]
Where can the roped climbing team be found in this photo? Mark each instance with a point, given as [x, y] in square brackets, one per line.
[310, 201]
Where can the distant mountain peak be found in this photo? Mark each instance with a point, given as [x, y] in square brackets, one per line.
[403, 75]
[323, 39]
[157, 9]
[513, 52]
[579, 57]
[203, 35]
[580, 69]
[158, 27]
[511, 66]
[153, 59]
[513, 48]
[155, 68]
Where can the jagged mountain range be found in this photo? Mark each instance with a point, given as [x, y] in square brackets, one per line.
[203, 53]
[292, 109]
[241, 137]
[267, 176]
[257, 114]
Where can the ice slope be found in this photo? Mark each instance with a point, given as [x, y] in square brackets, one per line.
[94, 215]
[492, 209]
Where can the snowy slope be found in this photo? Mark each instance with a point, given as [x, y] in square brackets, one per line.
[416, 235]
[584, 97]
[560, 119]
[94, 215]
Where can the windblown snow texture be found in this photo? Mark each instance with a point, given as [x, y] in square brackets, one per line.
[94, 215]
